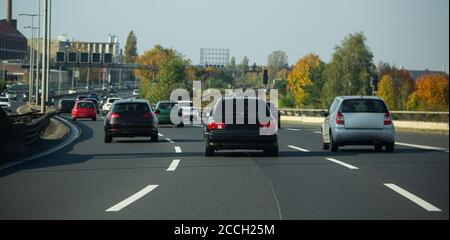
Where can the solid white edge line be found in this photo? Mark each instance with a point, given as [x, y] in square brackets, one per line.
[299, 149]
[161, 135]
[75, 133]
[417, 200]
[178, 149]
[293, 129]
[173, 166]
[317, 132]
[342, 163]
[132, 199]
[170, 140]
[421, 146]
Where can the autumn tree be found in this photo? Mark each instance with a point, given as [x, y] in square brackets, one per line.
[305, 81]
[432, 92]
[402, 88]
[350, 71]
[386, 91]
[130, 51]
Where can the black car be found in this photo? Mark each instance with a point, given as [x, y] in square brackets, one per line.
[95, 102]
[93, 95]
[65, 106]
[241, 127]
[80, 98]
[131, 118]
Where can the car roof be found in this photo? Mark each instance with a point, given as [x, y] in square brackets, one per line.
[358, 97]
[131, 101]
[167, 102]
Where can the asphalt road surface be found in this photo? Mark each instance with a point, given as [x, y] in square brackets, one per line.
[137, 179]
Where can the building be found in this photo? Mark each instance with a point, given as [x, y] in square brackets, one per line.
[214, 57]
[417, 74]
[13, 44]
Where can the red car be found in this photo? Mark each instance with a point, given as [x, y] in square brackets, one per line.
[84, 109]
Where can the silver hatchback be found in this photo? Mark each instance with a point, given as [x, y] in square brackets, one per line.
[358, 120]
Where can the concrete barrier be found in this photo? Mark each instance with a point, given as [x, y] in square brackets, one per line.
[398, 124]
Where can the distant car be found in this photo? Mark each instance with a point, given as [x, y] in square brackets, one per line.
[358, 120]
[72, 91]
[11, 95]
[131, 118]
[84, 109]
[89, 88]
[65, 106]
[163, 110]
[245, 130]
[80, 98]
[95, 102]
[108, 104]
[25, 96]
[5, 104]
[135, 93]
[93, 95]
[190, 113]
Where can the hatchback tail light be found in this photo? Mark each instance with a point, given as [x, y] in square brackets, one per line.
[148, 115]
[340, 120]
[115, 116]
[270, 124]
[216, 125]
[388, 119]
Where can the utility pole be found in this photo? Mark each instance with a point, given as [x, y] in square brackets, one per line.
[44, 57]
[38, 72]
[49, 39]
[31, 56]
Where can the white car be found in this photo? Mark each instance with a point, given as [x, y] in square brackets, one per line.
[108, 104]
[72, 91]
[358, 120]
[136, 93]
[190, 113]
[5, 104]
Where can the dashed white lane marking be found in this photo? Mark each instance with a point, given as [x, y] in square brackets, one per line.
[173, 166]
[342, 163]
[421, 146]
[417, 200]
[293, 129]
[132, 199]
[317, 132]
[170, 140]
[161, 135]
[299, 149]
[178, 149]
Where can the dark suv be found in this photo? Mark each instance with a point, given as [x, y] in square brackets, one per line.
[131, 118]
[241, 123]
[65, 106]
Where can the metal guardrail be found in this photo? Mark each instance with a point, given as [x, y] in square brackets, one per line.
[422, 116]
[29, 127]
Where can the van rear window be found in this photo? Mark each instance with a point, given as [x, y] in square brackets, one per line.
[363, 106]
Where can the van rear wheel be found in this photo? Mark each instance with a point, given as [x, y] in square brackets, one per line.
[333, 145]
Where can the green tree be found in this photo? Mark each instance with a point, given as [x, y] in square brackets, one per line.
[130, 51]
[386, 90]
[351, 70]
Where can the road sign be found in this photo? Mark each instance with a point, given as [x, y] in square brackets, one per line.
[84, 57]
[60, 57]
[73, 57]
[96, 58]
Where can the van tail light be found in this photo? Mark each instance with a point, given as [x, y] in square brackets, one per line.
[388, 119]
[216, 125]
[340, 120]
[270, 124]
[148, 115]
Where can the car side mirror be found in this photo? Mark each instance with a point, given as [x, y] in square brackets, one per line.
[324, 114]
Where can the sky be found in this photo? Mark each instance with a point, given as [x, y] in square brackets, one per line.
[409, 33]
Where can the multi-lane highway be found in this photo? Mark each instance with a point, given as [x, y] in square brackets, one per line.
[137, 179]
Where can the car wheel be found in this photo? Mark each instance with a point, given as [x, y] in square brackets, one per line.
[181, 125]
[333, 145]
[390, 147]
[378, 147]
[209, 150]
[272, 152]
[108, 138]
[94, 119]
[154, 138]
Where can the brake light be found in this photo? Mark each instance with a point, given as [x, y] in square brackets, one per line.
[270, 124]
[340, 120]
[214, 125]
[115, 116]
[148, 115]
[388, 119]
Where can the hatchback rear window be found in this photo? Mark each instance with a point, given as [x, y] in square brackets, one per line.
[4, 100]
[131, 107]
[364, 106]
[85, 105]
[67, 103]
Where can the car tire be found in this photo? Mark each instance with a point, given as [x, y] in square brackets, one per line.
[209, 150]
[154, 138]
[181, 125]
[378, 147]
[108, 138]
[390, 147]
[94, 119]
[272, 152]
[334, 147]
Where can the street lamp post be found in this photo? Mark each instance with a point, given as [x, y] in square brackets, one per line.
[31, 55]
